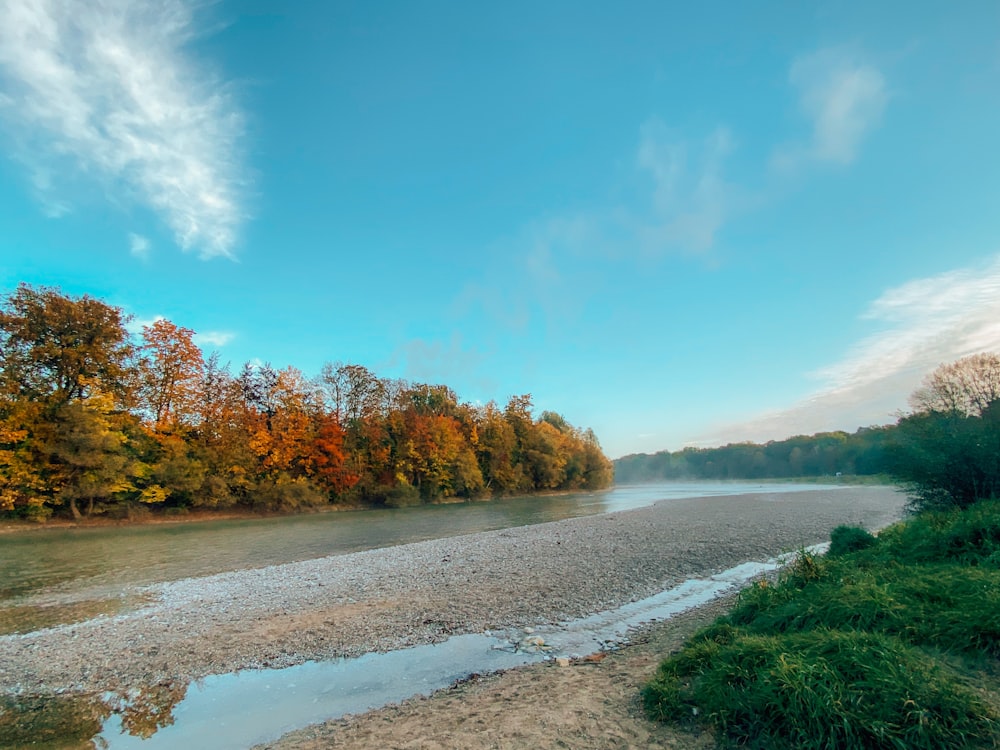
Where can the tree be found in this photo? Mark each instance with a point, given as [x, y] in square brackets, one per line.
[87, 452]
[329, 461]
[170, 369]
[58, 349]
[23, 480]
[967, 386]
[353, 392]
[948, 450]
[496, 450]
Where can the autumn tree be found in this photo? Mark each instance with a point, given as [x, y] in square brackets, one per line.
[222, 438]
[57, 349]
[64, 372]
[170, 373]
[92, 421]
[330, 464]
[497, 449]
[91, 466]
[23, 473]
[353, 392]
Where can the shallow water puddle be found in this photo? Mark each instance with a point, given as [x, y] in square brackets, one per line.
[241, 709]
[588, 634]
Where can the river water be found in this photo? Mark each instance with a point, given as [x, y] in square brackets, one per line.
[97, 562]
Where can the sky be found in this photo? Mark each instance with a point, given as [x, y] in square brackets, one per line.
[675, 223]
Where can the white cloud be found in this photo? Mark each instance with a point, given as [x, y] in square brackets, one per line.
[213, 338]
[683, 201]
[135, 325]
[843, 98]
[138, 246]
[108, 87]
[440, 362]
[925, 322]
[690, 202]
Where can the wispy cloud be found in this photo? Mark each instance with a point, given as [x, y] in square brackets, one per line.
[213, 338]
[110, 87]
[135, 325]
[844, 99]
[923, 323]
[440, 362]
[682, 194]
[138, 246]
[691, 199]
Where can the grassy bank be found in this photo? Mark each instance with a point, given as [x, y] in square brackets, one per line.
[887, 642]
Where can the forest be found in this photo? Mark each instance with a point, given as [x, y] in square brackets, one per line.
[945, 451]
[97, 421]
[862, 453]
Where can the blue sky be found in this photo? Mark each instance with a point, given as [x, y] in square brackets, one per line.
[676, 223]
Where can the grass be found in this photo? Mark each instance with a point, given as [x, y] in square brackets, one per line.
[887, 642]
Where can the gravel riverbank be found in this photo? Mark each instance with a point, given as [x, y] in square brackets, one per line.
[420, 593]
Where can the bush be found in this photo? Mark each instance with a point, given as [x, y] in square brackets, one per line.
[847, 539]
[947, 459]
[402, 496]
[287, 494]
[819, 689]
[968, 537]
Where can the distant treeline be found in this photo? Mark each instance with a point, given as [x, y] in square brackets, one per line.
[864, 452]
[96, 420]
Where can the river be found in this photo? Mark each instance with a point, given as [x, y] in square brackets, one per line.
[48, 566]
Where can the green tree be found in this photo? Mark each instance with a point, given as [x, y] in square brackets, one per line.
[948, 450]
[91, 465]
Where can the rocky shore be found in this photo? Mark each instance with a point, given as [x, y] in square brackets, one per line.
[390, 598]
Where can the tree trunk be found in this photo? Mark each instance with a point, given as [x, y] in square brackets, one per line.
[74, 509]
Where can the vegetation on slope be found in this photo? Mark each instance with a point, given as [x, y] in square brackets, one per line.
[872, 648]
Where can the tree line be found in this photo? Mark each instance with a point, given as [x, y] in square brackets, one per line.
[945, 450]
[95, 420]
[823, 454]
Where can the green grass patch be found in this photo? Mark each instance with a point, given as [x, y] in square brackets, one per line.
[820, 689]
[847, 539]
[967, 537]
[948, 607]
[876, 645]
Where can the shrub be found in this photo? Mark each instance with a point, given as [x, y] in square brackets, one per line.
[402, 496]
[287, 494]
[846, 539]
[968, 537]
[819, 689]
[947, 459]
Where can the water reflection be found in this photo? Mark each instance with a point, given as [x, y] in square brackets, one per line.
[76, 721]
